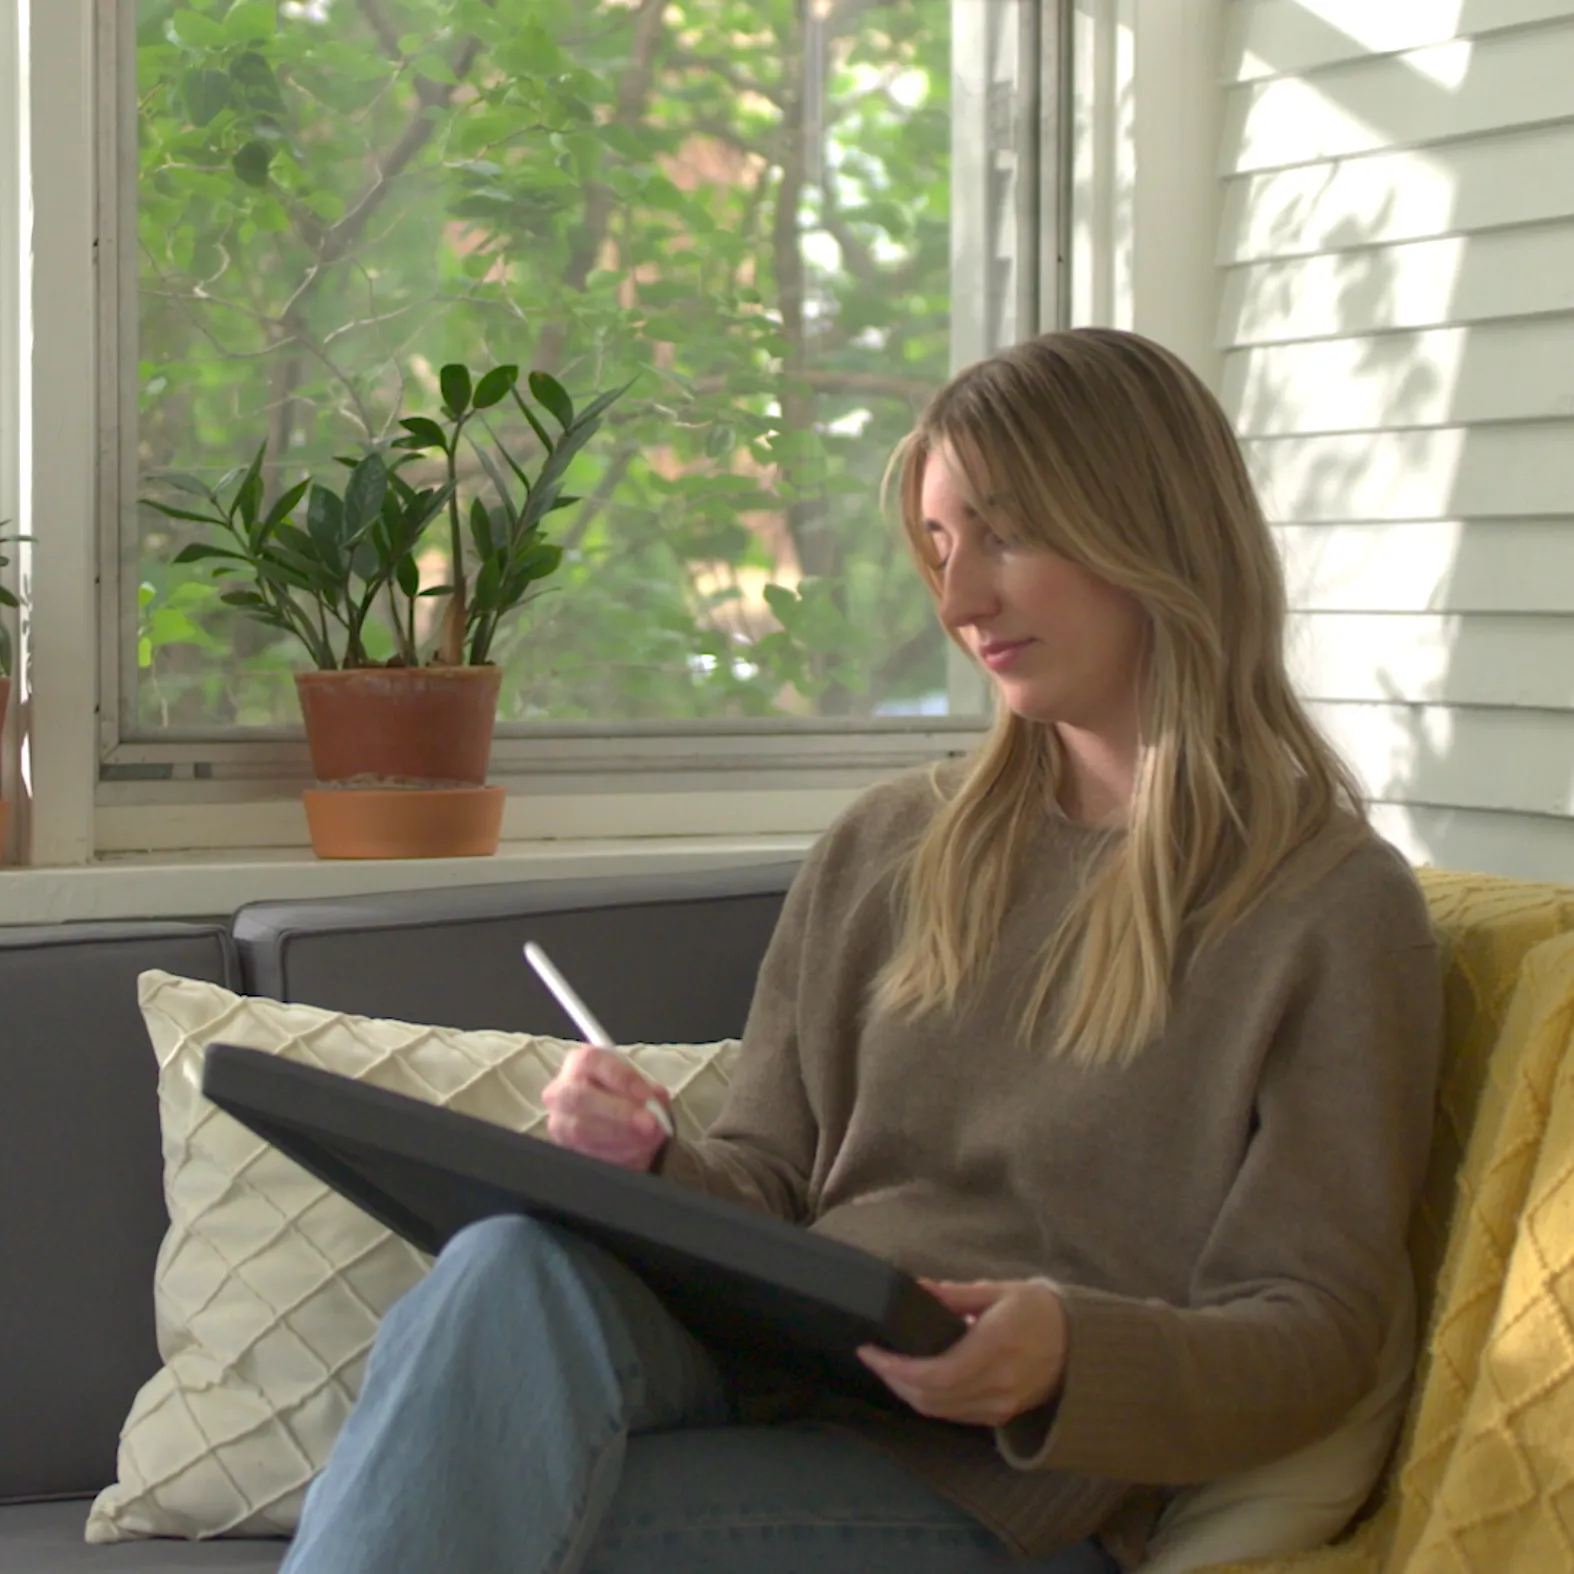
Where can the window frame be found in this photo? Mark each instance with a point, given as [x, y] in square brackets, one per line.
[660, 757]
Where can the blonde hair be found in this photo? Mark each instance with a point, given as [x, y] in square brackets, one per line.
[1107, 449]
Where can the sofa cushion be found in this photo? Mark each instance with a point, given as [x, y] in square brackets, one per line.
[270, 1286]
[79, 1170]
[668, 958]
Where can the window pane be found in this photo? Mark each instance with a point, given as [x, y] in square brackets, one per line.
[743, 205]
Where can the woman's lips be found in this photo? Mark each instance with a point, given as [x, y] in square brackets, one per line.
[999, 654]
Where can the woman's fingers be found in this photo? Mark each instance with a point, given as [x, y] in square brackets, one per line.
[596, 1105]
[965, 1298]
[1011, 1358]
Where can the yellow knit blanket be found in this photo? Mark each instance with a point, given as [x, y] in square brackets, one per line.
[1484, 1478]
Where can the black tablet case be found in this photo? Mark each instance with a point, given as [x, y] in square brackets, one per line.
[748, 1285]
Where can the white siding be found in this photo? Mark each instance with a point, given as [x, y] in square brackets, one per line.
[1397, 341]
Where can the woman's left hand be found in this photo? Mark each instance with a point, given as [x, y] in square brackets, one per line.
[1011, 1358]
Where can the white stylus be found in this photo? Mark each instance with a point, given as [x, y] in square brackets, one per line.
[579, 1012]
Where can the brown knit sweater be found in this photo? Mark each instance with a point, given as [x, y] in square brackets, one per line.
[1224, 1216]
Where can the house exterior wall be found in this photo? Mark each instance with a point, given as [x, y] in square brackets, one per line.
[1395, 345]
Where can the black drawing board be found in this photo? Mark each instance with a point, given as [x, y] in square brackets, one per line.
[743, 1282]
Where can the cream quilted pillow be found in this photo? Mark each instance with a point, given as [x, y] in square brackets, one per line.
[269, 1285]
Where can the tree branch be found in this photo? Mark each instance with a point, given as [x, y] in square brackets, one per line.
[633, 93]
[387, 34]
[416, 134]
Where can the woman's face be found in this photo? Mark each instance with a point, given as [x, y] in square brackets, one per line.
[1063, 646]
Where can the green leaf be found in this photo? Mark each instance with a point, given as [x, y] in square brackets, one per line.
[206, 93]
[541, 560]
[196, 552]
[363, 497]
[488, 584]
[551, 395]
[783, 602]
[292, 538]
[186, 483]
[252, 81]
[494, 387]
[251, 21]
[181, 513]
[424, 433]
[481, 528]
[248, 495]
[454, 379]
[325, 524]
[194, 28]
[605, 401]
[251, 162]
[496, 477]
[542, 435]
[284, 507]
[409, 575]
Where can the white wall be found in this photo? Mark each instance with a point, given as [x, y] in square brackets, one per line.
[1396, 323]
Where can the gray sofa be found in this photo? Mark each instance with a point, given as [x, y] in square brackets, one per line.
[663, 958]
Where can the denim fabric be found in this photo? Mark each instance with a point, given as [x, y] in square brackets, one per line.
[531, 1408]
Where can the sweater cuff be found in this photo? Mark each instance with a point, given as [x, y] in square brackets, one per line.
[1106, 1391]
[677, 1161]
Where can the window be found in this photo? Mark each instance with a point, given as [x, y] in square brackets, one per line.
[783, 220]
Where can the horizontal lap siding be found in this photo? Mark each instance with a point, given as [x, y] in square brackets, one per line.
[1397, 329]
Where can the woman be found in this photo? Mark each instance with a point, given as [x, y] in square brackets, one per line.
[1121, 1033]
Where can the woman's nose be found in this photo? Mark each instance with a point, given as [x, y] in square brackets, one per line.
[968, 593]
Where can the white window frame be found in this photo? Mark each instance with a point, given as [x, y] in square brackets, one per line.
[1136, 225]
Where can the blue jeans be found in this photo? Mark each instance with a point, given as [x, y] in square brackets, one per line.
[531, 1408]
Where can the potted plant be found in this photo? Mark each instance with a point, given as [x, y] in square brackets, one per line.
[400, 748]
[8, 601]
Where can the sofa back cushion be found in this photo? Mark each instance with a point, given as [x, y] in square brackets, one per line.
[659, 958]
[79, 1172]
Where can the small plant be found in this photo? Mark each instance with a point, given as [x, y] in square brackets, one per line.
[510, 552]
[360, 549]
[320, 583]
[8, 598]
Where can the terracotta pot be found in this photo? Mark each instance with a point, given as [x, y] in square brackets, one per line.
[392, 726]
[405, 822]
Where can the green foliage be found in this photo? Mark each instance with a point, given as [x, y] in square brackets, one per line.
[338, 200]
[8, 598]
[323, 583]
[318, 584]
[511, 554]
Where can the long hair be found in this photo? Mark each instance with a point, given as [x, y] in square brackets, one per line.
[1107, 449]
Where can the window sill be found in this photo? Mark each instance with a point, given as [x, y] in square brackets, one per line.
[214, 884]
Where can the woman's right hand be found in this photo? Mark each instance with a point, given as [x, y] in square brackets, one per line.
[596, 1105]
